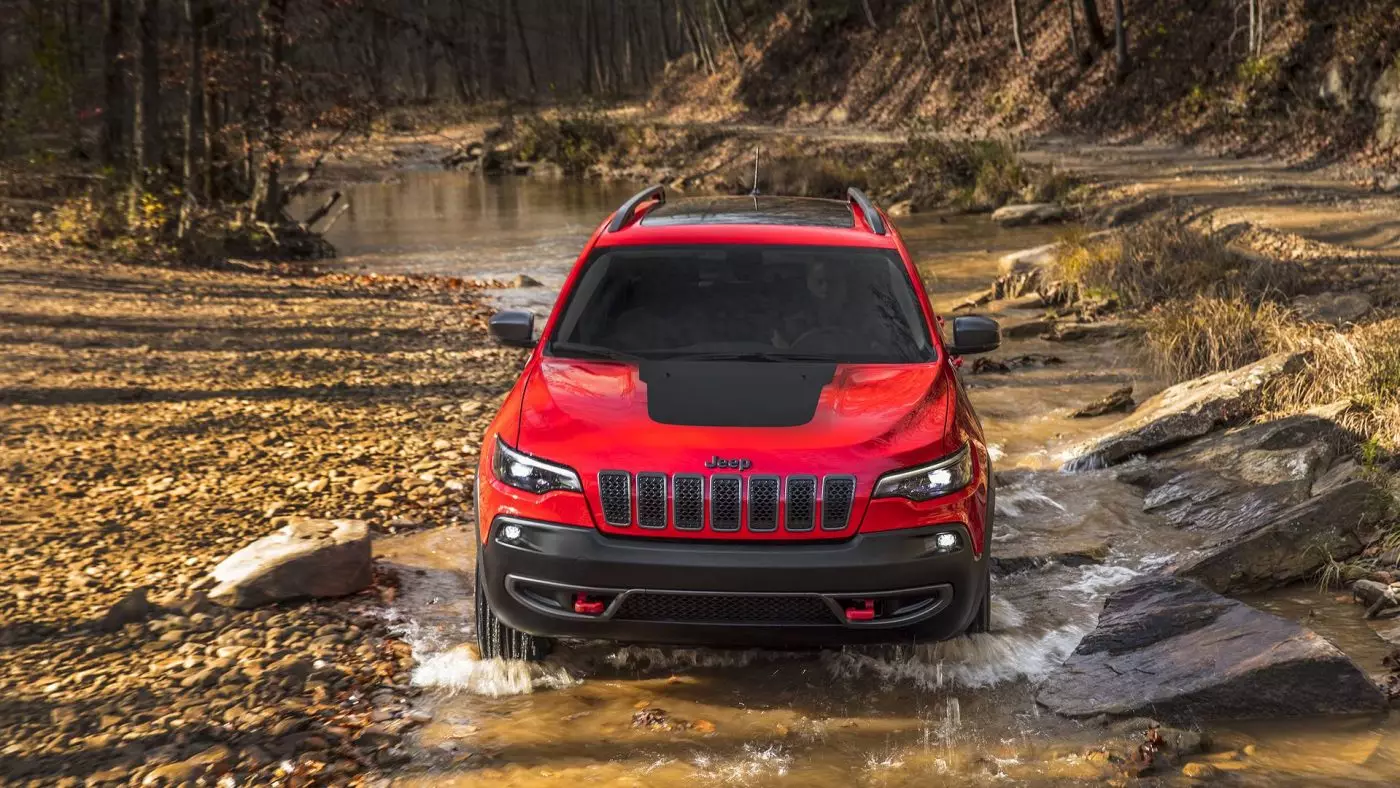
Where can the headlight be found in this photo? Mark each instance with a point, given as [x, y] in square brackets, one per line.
[523, 472]
[948, 475]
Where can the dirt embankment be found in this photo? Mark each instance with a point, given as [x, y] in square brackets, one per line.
[156, 420]
[1322, 86]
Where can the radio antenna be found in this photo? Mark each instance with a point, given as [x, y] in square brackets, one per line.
[757, 152]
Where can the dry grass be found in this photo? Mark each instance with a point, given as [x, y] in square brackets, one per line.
[1186, 338]
[1361, 367]
[1167, 258]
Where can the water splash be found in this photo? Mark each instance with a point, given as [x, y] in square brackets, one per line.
[754, 762]
[1009, 653]
[650, 659]
[461, 670]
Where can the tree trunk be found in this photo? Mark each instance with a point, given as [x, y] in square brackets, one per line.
[729, 34]
[4, 91]
[524, 46]
[1016, 27]
[149, 26]
[869, 15]
[1094, 25]
[114, 103]
[977, 15]
[1120, 39]
[667, 48]
[496, 51]
[1080, 55]
[195, 154]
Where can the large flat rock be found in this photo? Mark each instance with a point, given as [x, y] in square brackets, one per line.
[1175, 650]
[1293, 544]
[1183, 412]
[1272, 502]
[306, 558]
[1029, 213]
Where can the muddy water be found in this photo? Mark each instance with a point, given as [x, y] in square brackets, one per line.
[954, 713]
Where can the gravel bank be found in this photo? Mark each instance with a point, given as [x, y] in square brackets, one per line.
[154, 421]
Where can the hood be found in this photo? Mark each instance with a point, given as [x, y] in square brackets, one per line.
[839, 419]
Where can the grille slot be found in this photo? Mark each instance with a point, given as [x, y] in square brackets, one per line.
[801, 503]
[725, 502]
[837, 495]
[689, 504]
[615, 488]
[725, 608]
[651, 500]
[763, 503]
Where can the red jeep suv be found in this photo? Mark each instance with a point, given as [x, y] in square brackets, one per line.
[738, 427]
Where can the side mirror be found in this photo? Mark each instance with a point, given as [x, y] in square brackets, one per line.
[514, 327]
[974, 334]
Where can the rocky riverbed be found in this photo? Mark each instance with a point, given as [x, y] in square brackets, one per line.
[155, 421]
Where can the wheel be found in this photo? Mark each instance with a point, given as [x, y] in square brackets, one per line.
[497, 640]
[982, 622]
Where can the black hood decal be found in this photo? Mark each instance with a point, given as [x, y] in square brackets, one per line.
[734, 393]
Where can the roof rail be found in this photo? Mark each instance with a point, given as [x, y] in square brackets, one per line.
[629, 208]
[867, 208]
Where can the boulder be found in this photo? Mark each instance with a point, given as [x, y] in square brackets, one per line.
[1293, 544]
[306, 558]
[902, 208]
[1385, 97]
[131, 608]
[1029, 213]
[1029, 260]
[1273, 501]
[1173, 649]
[1184, 411]
[1335, 308]
[1121, 400]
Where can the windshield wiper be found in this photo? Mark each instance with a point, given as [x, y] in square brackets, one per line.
[754, 355]
[581, 350]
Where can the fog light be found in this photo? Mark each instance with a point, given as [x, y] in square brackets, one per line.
[511, 533]
[946, 542]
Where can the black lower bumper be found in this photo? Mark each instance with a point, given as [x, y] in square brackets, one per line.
[794, 595]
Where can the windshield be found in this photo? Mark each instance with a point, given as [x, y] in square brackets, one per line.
[762, 303]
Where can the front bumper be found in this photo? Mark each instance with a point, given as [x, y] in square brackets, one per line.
[791, 595]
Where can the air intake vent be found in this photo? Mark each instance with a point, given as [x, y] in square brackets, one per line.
[615, 488]
[763, 503]
[690, 502]
[651, 500]
[801, 503]
[725, 609]
[837, 494]
[725, 504]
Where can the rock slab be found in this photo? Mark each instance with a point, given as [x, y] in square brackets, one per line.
[1028, 213]
[1184, 411]
[304, 559]
[1175, 650]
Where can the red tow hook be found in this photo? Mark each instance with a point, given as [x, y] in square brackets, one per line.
[864, 611]
[587, 607]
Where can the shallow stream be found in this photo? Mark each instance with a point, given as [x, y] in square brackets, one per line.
[955, 713]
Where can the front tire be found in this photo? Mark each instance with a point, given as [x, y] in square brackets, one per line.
[982, 621]
[497, 640]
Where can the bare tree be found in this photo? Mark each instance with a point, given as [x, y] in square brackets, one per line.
[1097, 36]
[1120, 38]
[114, 103]
[195, 151]
[1080, 55]
[1016, 27]
[148, 27]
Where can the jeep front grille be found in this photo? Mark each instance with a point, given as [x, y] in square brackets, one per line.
[727, 502]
